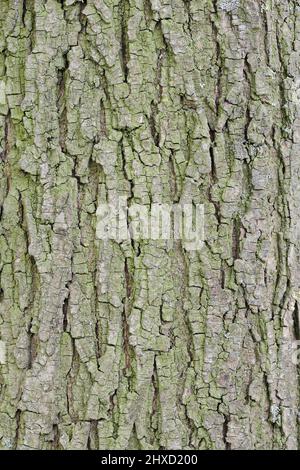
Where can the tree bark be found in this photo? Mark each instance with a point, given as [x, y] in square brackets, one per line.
[143, 344]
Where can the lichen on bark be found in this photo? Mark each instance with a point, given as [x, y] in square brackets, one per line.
[143, 344]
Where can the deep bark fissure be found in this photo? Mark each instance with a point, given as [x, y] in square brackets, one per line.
[146, 343]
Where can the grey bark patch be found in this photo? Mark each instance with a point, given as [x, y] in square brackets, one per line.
[229, 5]
[2, 352]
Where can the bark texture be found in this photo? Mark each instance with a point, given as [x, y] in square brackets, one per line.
[144, 345]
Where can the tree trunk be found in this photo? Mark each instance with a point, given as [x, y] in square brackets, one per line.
[142, 344]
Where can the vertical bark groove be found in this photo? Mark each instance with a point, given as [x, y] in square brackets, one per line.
[142, 344]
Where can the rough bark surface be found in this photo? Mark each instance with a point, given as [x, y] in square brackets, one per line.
[144, 345]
